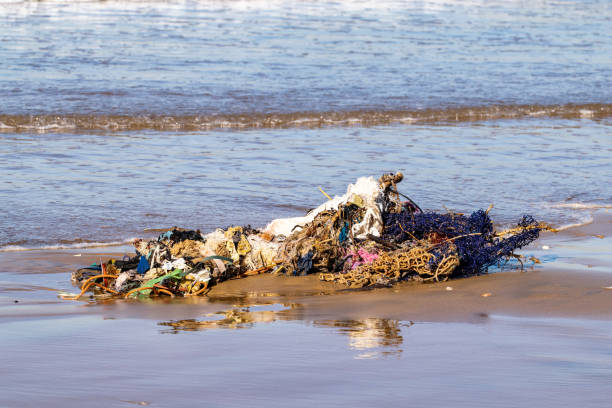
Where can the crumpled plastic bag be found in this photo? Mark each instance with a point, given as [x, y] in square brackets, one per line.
[176, 264]
[263, 252]
[366, 192]
[236, 243]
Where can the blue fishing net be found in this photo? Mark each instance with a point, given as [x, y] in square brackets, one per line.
[473, 237]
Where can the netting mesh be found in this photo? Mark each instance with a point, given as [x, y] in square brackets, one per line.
[476, 243]
[390, 267]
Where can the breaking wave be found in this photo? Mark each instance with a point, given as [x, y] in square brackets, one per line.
[76, 245]
[112, 123]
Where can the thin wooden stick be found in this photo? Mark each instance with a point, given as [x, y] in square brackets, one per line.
[324, 193]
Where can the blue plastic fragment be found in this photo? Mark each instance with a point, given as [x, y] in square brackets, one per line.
[165, 235]
[143, 266]
[343, 233]
[304, 264]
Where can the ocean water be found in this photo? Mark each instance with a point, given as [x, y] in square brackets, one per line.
[78, 189]
[121, 116]
[181, 58]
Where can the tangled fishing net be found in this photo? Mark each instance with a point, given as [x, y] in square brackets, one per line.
[473, 239]
[367, 237]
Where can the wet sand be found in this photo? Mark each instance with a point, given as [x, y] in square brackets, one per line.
[539, 335]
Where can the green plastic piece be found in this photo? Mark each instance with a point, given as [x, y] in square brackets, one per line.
[177, 273]
[174, 274]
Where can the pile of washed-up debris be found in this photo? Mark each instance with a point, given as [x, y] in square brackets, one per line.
[368, 237]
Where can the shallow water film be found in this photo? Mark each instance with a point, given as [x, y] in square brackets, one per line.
[260, 357]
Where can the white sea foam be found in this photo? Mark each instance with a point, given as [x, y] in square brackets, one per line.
[582, 206]
[78, 245]
[585, 217]
[586, 113]
[575, 224]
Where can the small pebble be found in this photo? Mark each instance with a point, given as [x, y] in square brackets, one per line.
[16, 301]
[78, 255]
[449, 288]
[545, 247]
[487, 294]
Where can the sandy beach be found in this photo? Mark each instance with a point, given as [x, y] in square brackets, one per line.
[559, 308]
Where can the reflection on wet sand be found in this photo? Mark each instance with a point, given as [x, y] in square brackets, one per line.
[370, 334]
[373, 337]
[236, 318]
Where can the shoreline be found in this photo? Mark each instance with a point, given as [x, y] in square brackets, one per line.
[571, 281]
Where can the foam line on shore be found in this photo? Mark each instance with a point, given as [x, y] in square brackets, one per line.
[75, 122]
[583, 206]
[79, 245]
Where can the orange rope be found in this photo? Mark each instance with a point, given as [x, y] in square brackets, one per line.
[167, 292]
[105, 288]
[260, 270]
[85, 288]
[96, 277]
[137, 290]
[88, 284]
[163, 289]
[201, 290]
